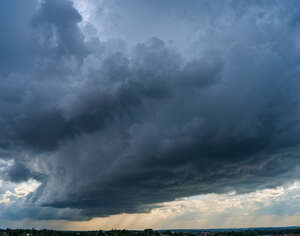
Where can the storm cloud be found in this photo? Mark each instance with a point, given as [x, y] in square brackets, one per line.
[122, 124]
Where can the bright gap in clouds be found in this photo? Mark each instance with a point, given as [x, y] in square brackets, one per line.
[12, 192]
[94, 16]
[272, 207]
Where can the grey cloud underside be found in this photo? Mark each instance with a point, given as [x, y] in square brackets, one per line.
[107, 128]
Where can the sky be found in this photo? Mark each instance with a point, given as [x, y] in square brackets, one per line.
[149, 114]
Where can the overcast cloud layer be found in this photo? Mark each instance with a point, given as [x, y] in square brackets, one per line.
[142, 102]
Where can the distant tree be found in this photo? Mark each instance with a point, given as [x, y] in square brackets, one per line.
[148, 232]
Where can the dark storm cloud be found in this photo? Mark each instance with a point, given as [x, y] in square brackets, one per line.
[122, 90]
[18, 173]
[15, 38]
[57, 22]
[108, 128]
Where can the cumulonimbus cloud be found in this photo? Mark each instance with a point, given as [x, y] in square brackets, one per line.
[108, 127]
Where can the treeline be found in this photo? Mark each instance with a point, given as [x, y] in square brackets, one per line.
[146, 232]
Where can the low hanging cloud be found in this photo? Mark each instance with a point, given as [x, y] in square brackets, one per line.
[110, 126]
